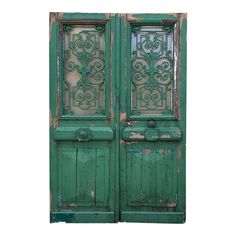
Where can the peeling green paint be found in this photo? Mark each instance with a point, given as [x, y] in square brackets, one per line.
[85, 16]
[110, 169]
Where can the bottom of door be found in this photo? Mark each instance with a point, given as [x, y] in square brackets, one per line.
[152, 217]
[82, 217]
[108, 217]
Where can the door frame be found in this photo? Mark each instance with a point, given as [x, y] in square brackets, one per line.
[117, 31]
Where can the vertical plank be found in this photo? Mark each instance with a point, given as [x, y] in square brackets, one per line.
[134, 176]
[171, 176]
[107, 177]
[159, 177]
[166, 177]
[102, 177]
[148, 176]
[86, 176]
[174, 160]
[67, 176]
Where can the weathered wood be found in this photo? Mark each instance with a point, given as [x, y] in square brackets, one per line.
[53, 44]
[151, 175]
[152, 18]
[153, 217]
[67, 176]
[182, 116]
[82, 217]
[125, 161]
[83, 146]
[153, 154]
[70, 133]
[81, 16]
[162, 133]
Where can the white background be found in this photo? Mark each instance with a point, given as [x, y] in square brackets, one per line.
[211, 118]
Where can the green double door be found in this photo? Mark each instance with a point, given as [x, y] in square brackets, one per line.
[117, 117]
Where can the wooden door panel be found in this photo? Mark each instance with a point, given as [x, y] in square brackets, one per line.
[152, 125]
[83, 129]
[83, 175]
[151, 176]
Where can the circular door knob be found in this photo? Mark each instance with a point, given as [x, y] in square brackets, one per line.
[151, 124]
[83, 134]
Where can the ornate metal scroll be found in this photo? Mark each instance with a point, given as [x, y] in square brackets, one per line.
[152, 69]
[84, 70]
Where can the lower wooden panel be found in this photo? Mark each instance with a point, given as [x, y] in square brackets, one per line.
[83, 175]
[153, 217]
[149, 182]
[151, 176]
[82, 217]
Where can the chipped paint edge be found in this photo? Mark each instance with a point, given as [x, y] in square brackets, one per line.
[131, 17]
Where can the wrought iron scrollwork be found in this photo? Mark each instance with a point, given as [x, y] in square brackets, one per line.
[152, 69]
[84, 70]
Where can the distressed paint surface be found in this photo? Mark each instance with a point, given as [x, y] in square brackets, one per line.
[83, 176]
[117, 165]
[73, 133]
[151, 176]
[152, 150]
[82, 146]
[140, 133]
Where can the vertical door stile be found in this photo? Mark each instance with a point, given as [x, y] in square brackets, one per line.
[116, 61]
